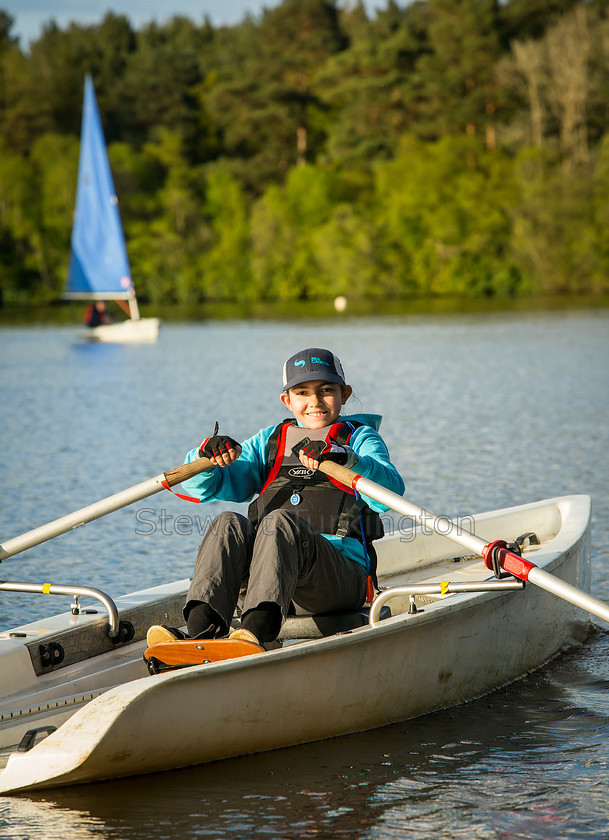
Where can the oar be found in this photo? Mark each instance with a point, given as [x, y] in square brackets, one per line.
[103, 507]
[496, 554]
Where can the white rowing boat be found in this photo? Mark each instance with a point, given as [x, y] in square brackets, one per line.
[78, 704]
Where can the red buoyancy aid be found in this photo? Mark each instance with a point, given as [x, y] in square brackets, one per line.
[327, 505]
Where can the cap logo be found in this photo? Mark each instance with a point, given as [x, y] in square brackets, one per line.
[317, 361]
[299, 363]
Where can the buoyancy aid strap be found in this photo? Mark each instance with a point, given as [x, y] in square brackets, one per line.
[285, 474]
[349, 513]
[341, 432]
[338, 431]
[371, 579]
[370, 591]
[276, 451]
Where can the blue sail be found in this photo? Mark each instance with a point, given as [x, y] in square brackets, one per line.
[99, 266]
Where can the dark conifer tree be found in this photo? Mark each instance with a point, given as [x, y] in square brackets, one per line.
[456, 79]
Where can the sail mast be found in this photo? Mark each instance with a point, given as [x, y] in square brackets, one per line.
[133, 307]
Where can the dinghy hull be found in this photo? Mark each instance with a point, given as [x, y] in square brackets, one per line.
[125, 332]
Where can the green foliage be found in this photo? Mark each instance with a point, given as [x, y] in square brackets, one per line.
[559, 233]
[370, 86]
[16, 228]
[439, 147]
[350, 256]
[444, 212]
[55, 161]
[226, 267]
[265, 100]
[284, 220]
[166, 241]
[600, 223]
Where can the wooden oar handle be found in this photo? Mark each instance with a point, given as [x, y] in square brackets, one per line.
[179, 474]
[338, 472]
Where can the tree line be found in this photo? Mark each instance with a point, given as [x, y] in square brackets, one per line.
[444, 147]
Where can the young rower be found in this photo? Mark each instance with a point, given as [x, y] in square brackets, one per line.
[307, 539]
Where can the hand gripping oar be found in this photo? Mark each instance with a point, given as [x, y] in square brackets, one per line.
[496, 554]
[103, 507]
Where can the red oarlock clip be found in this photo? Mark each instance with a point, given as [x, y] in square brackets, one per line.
[503, 562]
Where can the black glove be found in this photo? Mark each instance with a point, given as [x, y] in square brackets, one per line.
[216, 444]
[325, 450]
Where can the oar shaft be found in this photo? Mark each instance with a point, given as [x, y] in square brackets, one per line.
[80, 517]
[568, 593]
[102, 508]
[441, 524]
[507, 559]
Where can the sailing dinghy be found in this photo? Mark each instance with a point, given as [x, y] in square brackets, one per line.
[99, 266]
[78, 703]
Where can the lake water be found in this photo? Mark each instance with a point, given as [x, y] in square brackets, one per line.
[480, 411]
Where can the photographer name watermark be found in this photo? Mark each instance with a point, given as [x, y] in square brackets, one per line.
[431, 523]
[150, 521]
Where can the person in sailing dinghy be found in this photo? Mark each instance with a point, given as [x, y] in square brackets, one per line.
[97, 315]
[307, 539]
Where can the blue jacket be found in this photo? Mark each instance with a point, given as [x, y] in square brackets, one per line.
[244, 479]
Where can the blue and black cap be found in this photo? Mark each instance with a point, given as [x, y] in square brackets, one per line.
[312, 363]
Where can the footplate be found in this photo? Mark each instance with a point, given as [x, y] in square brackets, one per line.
[166, 656]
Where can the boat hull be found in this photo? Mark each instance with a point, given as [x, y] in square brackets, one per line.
[455, 649]
[125, 332]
